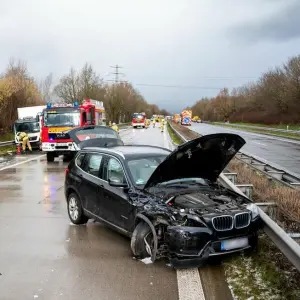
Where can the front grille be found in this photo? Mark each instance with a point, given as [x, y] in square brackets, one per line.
[61, 147]
[242, 220]
[32, 138]
[222, 223]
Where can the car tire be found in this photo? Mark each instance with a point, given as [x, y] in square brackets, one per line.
[138, 245]
[50, 157]
[75, 210]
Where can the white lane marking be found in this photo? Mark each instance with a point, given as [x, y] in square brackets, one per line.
[189, 285]
[166, 142]
[259, 143]
[22, 162]
[188, 280]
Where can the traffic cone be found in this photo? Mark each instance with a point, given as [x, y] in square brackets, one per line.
[18, 149]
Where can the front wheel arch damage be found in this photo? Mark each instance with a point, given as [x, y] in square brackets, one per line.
[145, 225]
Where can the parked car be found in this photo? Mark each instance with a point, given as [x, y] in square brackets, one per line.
[169, 203]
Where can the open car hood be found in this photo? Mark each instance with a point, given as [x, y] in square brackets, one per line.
[94, 136]
[204, 157]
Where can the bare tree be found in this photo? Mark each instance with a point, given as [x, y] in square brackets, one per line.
[17, 89]
[69, 87]
[45, 88]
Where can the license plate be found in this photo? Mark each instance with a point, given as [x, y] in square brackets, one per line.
[234, 243]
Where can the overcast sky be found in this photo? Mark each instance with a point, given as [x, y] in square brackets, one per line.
[158, 42]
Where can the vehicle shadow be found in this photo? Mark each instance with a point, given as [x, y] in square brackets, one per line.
[95, 241]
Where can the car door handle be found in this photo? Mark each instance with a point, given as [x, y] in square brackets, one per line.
[80, 175]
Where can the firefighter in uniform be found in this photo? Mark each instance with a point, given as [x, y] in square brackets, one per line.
[23, 137]
[147, 123]
[154, 122]
[115, 127]
[162, 124]
[109, 124]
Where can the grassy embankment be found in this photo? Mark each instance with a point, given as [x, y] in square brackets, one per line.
[265, 274]
[288, 135]
[7, 137]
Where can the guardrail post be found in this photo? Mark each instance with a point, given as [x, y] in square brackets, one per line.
[276, 174]
[259, 166]
[231, 176]
[247, 189]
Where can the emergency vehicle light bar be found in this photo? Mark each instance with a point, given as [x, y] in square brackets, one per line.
[75, 104]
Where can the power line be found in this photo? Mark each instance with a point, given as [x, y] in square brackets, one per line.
[172, 86]
[180, 86]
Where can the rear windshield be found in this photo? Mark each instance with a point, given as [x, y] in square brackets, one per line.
[97, 132]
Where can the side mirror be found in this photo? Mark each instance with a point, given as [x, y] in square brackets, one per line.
[117, 184]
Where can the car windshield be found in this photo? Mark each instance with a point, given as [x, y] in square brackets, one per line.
[95, 133]
[27, 127]
[61, 117]
[142, 168]
[138, 116]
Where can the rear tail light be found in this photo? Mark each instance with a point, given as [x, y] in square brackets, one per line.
[66, 171]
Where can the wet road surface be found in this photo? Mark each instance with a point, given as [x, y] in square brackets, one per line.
[283, 152]
[43, 256]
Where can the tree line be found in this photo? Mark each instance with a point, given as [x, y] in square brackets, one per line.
[274, 98]
[19, 89]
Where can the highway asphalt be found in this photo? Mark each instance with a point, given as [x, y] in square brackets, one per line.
[44, 256]
[281, 151]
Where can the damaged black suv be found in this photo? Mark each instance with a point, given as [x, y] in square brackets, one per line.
[169, 203]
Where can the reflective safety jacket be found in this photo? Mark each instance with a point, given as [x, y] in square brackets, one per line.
[116, 128]
[21, 136]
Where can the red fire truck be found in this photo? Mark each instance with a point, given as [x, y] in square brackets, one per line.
[57, 119]
[138, 119]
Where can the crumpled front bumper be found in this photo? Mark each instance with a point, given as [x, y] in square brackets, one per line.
[193, 246]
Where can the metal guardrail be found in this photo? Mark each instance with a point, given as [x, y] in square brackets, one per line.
[279, 237]
[7, 143]
[259, 128]
[272, 170]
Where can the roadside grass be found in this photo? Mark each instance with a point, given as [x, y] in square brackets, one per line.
[259, 277]
[277, 126]
[265, 190]
[176, 140]
[7, 137]
[287, 135]
[4, 150]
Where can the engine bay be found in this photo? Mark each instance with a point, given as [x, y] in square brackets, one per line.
[206, 202]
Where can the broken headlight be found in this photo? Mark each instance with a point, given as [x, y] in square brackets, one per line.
[254, 210]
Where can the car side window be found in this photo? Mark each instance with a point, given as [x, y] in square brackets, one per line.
[79, 160]
[93, 164]
[115, 171]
